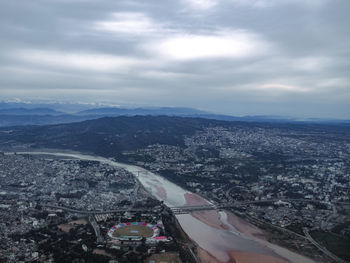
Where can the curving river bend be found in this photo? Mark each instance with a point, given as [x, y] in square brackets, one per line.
[220, 236]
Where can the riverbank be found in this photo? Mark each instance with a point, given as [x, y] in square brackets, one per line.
[220, 236]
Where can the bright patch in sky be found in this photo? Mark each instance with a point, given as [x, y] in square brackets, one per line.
[201, 4]
[281, 87]
[128, 23]
[80, 61]
[235, 44]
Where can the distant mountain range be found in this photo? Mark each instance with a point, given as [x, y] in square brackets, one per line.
[34, 111]
[169, 111]
[28, 114]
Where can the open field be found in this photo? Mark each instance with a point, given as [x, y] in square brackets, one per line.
[72, 224]
[133, 230]
[334, 243]
[164, 258]
[101, 252]
[65, 227]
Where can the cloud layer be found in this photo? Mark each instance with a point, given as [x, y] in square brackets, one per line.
[237, 57]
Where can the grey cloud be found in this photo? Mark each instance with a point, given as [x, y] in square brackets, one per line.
[54, 50]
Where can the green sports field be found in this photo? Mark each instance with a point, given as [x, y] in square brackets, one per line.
[133, 230]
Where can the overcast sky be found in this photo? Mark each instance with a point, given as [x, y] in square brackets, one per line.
[241, 57]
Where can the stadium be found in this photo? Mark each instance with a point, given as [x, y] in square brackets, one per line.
[136, 231]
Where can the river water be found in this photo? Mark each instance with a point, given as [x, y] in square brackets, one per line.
[220, 236]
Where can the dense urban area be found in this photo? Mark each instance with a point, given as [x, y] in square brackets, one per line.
[291, 181]
[298, 181]
[38, 223]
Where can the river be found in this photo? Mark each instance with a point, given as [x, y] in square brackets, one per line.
[220, 236]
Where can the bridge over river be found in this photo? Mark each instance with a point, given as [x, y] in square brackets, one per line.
[192, 208]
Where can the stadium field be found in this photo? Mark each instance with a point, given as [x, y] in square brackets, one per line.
[133, 230]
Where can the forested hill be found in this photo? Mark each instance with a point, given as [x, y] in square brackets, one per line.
[110, 136]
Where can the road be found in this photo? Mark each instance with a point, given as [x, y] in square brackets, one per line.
[320, 247]
[133, 196]
[94, 212]
[97, 230]
[187, 209]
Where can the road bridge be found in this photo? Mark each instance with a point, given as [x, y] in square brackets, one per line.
[97, 230]
[183, 209]
[188, 209]
[193, 208]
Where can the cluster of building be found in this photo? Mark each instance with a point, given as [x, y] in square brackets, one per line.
[35, 193]
[84, 185]
[240, 164]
